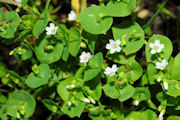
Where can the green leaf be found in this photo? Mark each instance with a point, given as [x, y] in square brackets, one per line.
[149, 114]
[42, 78]
[166, 51]
[3, 99]
[26, 52]
[42, 21]
[135, 71]
[95, 86]
[175, 74]
[151, 71]
[94, 67]
[173, 117]
[111, 91]
[141, 94]
[132, 4]
[39, 26]
[73, 111]
[129, 29]
[65, 53]
[118, 110]
[61, 89]
[126, 93]
[93, 21]
[74, 41]
[45, 56]
[144, 79]
[21, 101]
[90, 39]
[135, 116]
[172, 90]
[50, 105]
[12, 20]
[120, 58]
[117, 9]
[3, 69]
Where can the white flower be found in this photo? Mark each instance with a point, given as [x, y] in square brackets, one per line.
[72, 16]
[165, 85]
[67, 86]
[70, 86]
[161, 116]
[2, 30]
[52, 29]
[69, 103]
[86, 100]
[136, 102]
[156, 47]
[84, 57]
[93, 101]
[159, 79]
[111, 71]
[18, 1]
[113, 46]
[161, 65]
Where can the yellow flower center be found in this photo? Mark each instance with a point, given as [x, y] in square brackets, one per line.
[156, 47]
[114, 46]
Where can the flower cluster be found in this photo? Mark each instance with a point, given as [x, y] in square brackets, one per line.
[157, 47]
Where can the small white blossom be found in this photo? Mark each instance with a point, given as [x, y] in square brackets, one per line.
[156, 47]
[52, 29]
[160, 116]
[2, 30]
[86, 100]
[67, 86]
[161, 65]
[72, 16]
[111, 71]
[136, 102]
[84, 57]
[93, 101]
[18, 1]
[165, 85]
[113, 46]
[72, 86]
[69, 103]
[159, 79]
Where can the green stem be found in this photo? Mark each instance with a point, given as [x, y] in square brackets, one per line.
[29, 44]
[155, 15]
[151, 104]
[9, 7]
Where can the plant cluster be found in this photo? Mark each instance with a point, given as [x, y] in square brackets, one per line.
[92, 66]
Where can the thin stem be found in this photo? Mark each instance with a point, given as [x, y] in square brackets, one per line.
[29, 44]
[9, 7]
[12, 2]
[155, 15]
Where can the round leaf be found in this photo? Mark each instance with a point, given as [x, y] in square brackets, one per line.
[166, 51]
[93, 21]
[141, 94]
[20, 100]
[117, 9]
[48, 57]
[35, 81]
[133, 44]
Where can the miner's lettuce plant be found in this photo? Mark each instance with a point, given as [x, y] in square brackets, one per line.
[91, 67]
